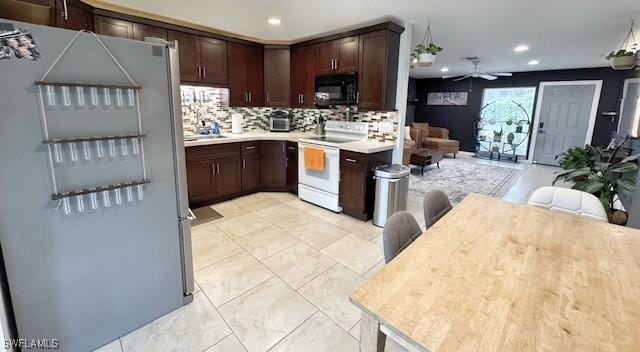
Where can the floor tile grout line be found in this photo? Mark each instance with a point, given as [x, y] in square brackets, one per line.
[225, 321]
[222, 339]
[294, 329]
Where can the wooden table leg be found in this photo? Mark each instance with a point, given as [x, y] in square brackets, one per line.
[371, 338]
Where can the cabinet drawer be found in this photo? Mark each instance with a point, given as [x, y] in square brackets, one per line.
[351, 159]
[249, 148]
[206, 152]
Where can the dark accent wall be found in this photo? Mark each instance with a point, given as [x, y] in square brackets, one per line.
[459, 119]
[411, 101]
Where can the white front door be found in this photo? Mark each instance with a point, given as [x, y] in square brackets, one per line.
[566, 113]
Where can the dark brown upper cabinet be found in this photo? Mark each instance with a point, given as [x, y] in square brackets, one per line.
[38, 12]
[303, 75]
[213, 59]
[141, 31]
[79, 15]
[202, 59]
[246, 75]
[113, 27]
[337, 56]
[277, 81]
[378, 70]
[189, 52]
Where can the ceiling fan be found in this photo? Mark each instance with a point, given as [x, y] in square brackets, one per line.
[476, 73]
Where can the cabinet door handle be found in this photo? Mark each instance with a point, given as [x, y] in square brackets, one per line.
[292, 148]
[213, 168]
[358, 98]
[301, 98]
[350, 160]
[333, 67]
[204, 72]
[218, 167]
[250, 147]
[336, 60]
[250, 97]
[267, 96]
[199, 72]
[244, 164]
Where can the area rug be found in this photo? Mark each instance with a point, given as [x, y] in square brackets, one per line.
[459, 177]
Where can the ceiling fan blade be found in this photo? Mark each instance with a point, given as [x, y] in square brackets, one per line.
[502, 74]
[487, 76]
[462, 77]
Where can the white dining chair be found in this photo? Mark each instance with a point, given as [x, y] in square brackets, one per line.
[566, 200]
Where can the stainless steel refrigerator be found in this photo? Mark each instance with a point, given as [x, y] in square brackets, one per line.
[94, 217]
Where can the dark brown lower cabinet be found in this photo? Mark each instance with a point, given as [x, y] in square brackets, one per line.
[227, 176]
[250, 166]
[292, 167]
[219, 172]
[200, 181]
[273, 159]
[357, 186]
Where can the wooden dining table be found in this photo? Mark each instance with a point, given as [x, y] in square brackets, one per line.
[498, 276]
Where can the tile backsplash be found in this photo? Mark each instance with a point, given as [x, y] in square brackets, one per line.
[209, 104]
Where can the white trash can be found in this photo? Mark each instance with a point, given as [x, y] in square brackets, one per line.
[392, 191]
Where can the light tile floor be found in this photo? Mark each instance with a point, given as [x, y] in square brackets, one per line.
[275, 275]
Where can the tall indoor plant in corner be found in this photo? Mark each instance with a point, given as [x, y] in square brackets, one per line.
[606, 180]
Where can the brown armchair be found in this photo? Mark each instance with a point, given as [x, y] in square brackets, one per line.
[433, 138]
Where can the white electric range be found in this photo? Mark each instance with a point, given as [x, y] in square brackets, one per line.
[322, 187]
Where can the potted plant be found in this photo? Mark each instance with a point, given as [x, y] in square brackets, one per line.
[520, 125]
[509, 122]
[605, 180]
[425, 53]
[497, 135]
[576, 158]
[510, 138]
[626, 57]
[622, 59]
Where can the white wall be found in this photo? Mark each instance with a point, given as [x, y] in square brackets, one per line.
[404, 63]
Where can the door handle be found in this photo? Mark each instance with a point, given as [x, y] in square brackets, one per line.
[244, 164]
[350, 160]
[267, 96]
[250, 147]
[246, 97]
[301, 98]
[191, 215]
[336, 61]
[199, 72]
[358, 98]
[541, 131]
[204, 72]
[292, 148]
[218, 167]
[250, 98]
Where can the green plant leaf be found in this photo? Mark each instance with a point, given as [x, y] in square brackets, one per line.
[592, 186]
[630, 158]
[625, 186]
[623, 167]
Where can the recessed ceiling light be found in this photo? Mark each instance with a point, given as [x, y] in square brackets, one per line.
[274, 21]
[533, 62]
[444, 69]
[520, 48]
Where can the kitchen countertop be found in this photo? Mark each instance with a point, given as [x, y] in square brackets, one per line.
[367, 147]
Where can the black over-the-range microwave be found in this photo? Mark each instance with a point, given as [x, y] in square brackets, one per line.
[336, 90]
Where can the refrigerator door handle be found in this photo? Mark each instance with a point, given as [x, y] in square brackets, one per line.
[191, 215]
